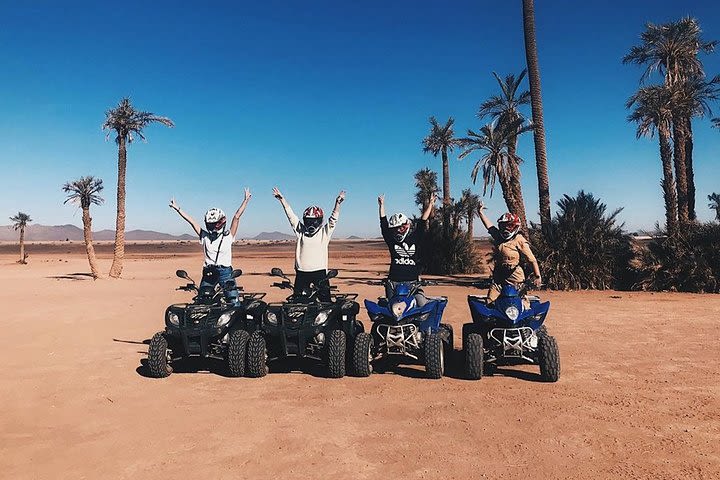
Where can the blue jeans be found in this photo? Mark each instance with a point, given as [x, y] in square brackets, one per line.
[214, 274]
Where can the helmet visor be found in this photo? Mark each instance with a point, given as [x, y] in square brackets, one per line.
[400, 232]
[312, 224]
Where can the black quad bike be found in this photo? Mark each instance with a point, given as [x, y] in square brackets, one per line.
[305, 327]
[209, 327]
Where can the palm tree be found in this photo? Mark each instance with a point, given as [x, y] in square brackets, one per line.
[716, 122]
[498, 162]
[652, 111]
[20, 221]
[440, 141]
[426, 183]
[85, 191]
[672, 50]
[537, 111]
[471, 203]
[715, 204]
[505, 109]
[126, 122]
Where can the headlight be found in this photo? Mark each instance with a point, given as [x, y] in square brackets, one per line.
[321, 318]
[174, 318]
[398, 309]
[271, 318]
[512, 312]
[224, 319]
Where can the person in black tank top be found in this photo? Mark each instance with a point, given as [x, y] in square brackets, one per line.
[403, 238]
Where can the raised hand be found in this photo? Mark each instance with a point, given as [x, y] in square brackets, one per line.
[482, 206]
[341, 197]
[174, 205]
[277, 194]
[248, 195]
[433, 198]
[381, 199]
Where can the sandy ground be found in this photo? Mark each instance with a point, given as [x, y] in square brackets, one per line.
[639, 395]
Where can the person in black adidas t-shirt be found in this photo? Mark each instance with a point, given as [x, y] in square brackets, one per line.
[403, 238]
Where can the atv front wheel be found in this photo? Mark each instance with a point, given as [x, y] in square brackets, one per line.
[548, 358]
[362, 355]
[335, 349]
[434, 356]
[473, 346]
[158, 356]
[449, 348]
[237, 346]
[256, 355]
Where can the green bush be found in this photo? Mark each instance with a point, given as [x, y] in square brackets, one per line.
[687, 262]
[584, 247]
[447, 256]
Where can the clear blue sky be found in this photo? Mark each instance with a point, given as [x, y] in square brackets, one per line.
[317, 96]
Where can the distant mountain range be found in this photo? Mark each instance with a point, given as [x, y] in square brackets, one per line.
[273, 236]
[59, 233]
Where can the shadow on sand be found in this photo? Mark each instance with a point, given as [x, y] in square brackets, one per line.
[72, 276]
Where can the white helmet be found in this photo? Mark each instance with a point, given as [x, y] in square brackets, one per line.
[215, 220]
[399, 225]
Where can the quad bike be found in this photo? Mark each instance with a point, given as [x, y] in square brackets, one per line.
[209, 327]
[303, 326]
[404, 332]
[509, 331]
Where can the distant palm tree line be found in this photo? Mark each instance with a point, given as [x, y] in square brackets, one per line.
[672, 50]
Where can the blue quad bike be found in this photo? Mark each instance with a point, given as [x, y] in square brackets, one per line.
[208, 327]
[403, 332]
[303, 326]
[507, 332]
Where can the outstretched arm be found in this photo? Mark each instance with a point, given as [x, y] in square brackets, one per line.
[483, 218]
[185, 216]
[336, 211]
[431, 204]
[294, 220]
[381, 205]
[527, 251]
[240, 211]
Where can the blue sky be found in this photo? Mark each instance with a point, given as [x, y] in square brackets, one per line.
[315, 97]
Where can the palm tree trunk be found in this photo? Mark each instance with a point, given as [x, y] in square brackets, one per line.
[22, 245]
[446, 190]
[470, 221]
[689, 168]
[119, 254]
[87, 234]
[518, 201]
[681, 173]
[537, 112]
[668, 183]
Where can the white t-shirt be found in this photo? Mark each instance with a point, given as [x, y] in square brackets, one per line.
[311, 252]
[218, 251]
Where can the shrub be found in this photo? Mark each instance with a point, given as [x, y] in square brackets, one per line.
[448, 255]
[687, 262]
[583, 248]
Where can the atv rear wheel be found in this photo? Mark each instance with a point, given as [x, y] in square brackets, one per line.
[158, 356]
[335, 351]
[362, 355]
[434, 356]
[548, 358]
[237, 346]
[256, 355]
[474, 358]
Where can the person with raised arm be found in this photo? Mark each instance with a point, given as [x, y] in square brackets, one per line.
[404, 238]
[313, 239]
[509, 246]
[217, 244]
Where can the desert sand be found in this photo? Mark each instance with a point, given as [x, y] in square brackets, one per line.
[639, 394]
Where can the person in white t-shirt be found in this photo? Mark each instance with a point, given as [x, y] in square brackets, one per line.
[217, 244]
[313, 238]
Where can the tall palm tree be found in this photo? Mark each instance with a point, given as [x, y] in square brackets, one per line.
[126, 123]
[85, 191]
[672, 50]
[716, 122]
[505, 109]
[440, 141]
[537, 112]
[426, 183]
[652, 111]
[715, 204]
[471, 203]
[497, 162]
[20, 221]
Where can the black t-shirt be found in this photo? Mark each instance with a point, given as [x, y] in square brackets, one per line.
[405, 255]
